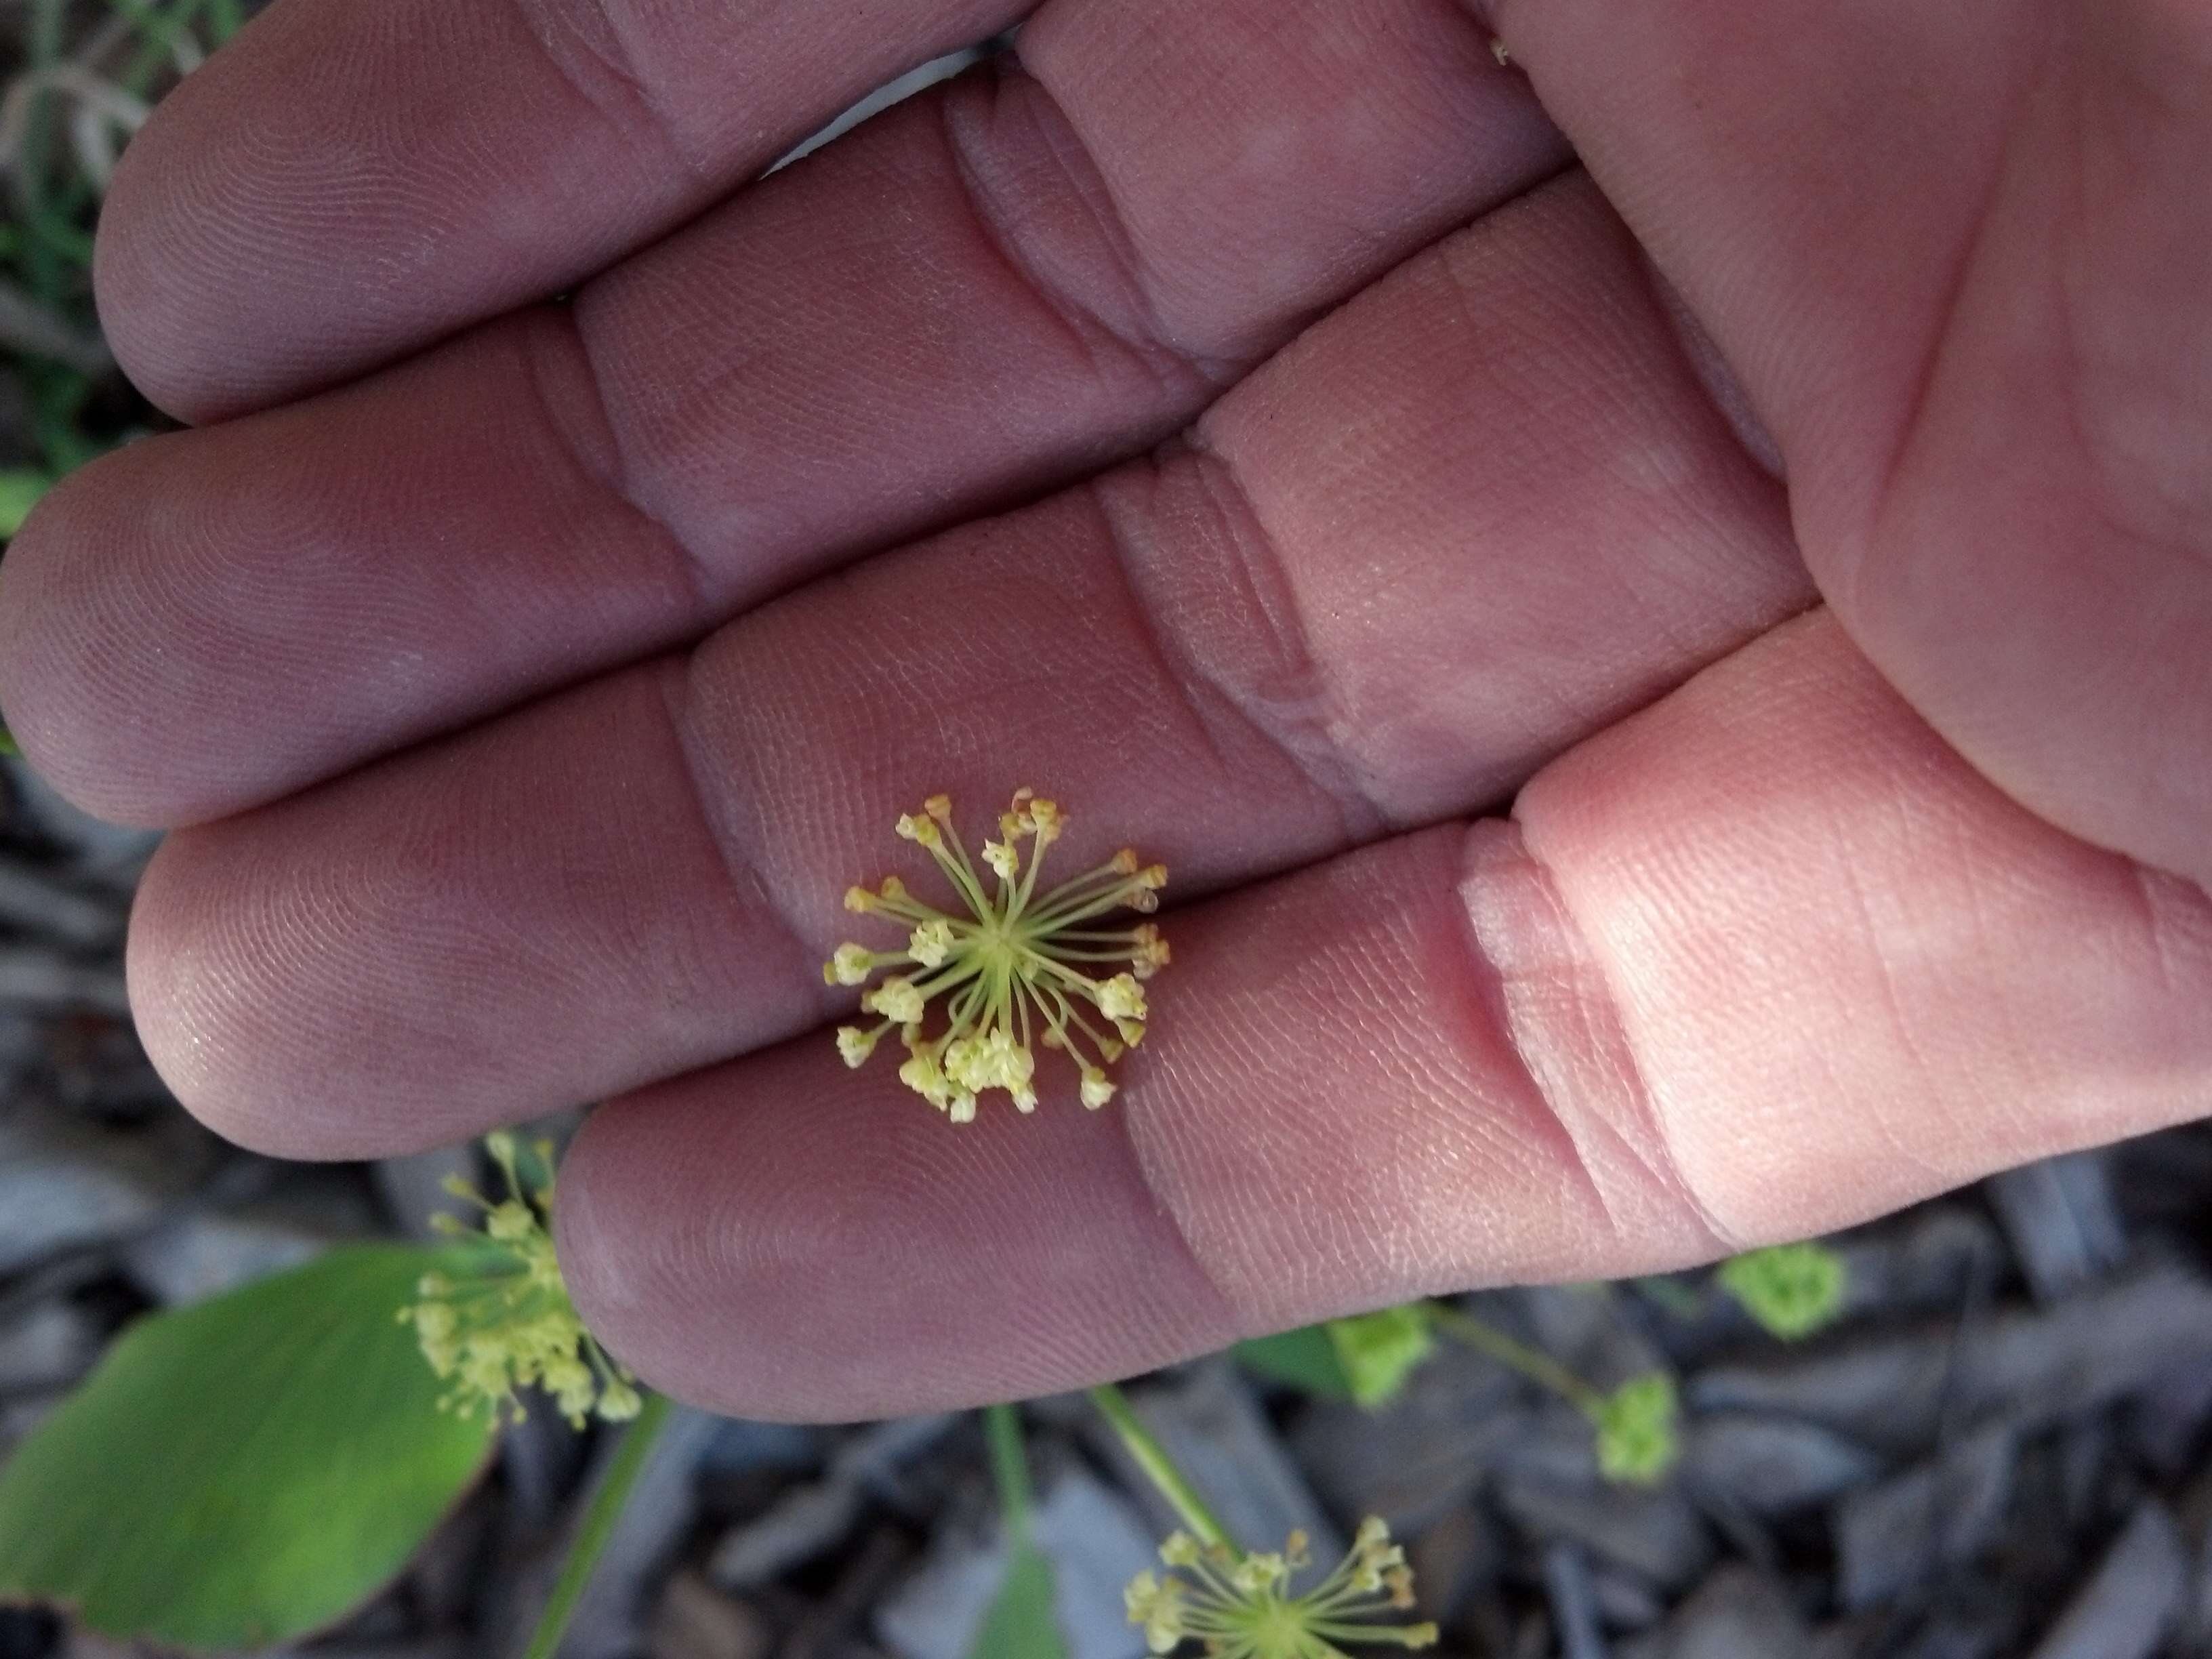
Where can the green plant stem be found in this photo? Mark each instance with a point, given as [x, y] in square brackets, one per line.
[1152, 1458]
[1010, 1467]
[42, 270]
[1539, 1368]
[158, 36]
[598, 1525]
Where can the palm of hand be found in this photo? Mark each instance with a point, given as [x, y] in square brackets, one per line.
[534, 699]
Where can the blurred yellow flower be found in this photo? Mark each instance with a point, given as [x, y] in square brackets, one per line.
[502, 1321]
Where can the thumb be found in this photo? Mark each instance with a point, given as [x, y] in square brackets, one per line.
[1960, 257]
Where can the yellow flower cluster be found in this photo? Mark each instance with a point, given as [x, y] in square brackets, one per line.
[1241, 1607]
[1015, 972]
[501, 1321]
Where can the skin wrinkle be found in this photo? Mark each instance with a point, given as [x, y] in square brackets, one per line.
[2110, 164]
[2155, 918]
[1492, 988]
[346, 1007]
[1478, 1031]
[613, 83]
[1081, 326]
[1708, 366]
[729, 1242]
[1082, 321]
[2075, 285]
[748, 884]
[740, 396]
[1856, 596]
[1546, 1056]
[1263, 573]
[1981, 924]
[1893, 1006]
[1152, 631]
[1140, 1138]
[2036, 644]
[1078, 167]
[601, 457]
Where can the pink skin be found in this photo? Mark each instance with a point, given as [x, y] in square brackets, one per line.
[532, 696]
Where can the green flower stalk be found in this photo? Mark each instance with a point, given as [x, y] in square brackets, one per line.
[1241, 1606]
[1016, 972]
[1637, 1426]
[499, 1320]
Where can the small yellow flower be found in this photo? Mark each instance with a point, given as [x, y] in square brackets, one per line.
[504, 1322]
[1157, 1603]
[849, 965]
[1015, 974]
[930, 943]
[1151, 952]
[1241, 1607]
[899, 1000]
[1121, 998]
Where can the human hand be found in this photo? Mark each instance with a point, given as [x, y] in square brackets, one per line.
[533, 697]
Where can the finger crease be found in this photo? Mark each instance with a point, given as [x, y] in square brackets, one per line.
[595, 61]
[596, 454]
[1560, 1014]
[753, 891]
[1206, 694]
[1142, 338]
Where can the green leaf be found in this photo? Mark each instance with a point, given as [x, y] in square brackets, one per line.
[1638, 1440]
[1377, 1352]
[1792, 1290]
[1304, 1359]
[245, 1470]
[1365, 1358]
[21, 486]
[1021, 1624]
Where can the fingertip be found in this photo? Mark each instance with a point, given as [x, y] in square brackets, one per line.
[65, 692]
[130, 306]
[174, 336]
[779, 1238]
[189, 1028]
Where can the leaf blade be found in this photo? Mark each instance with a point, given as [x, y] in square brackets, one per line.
[1021, 1623]
[1304, 1358]
[244, 1470]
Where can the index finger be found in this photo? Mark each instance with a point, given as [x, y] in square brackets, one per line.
[347, 183]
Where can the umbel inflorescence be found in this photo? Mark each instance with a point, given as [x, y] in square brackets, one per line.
[498, 1319]
[1240, 1606]
[1015, 974]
